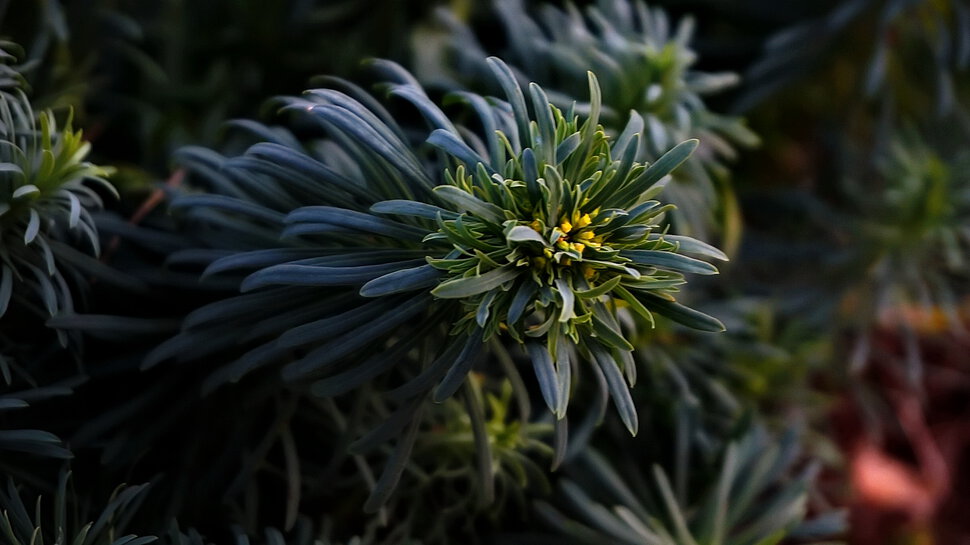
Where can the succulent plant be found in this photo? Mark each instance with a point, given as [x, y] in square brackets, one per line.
[910, 242]
[494, 231]
[358, 248]
[46, 198]
[755, 494]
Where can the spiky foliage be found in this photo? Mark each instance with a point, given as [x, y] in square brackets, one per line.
[11, 79]
[473, 462]
[536, 242]
[46, 228]
[644, 65]
[749, 496]
[29, 441]
[918, 232]
[364, 244]
[69, 524]
[911, 241]
[303, 534]
[911, 53]
[759, 365]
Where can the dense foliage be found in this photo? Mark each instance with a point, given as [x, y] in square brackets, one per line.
[398, 306]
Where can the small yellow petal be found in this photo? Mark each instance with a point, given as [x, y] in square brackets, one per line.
[579, 247]
[565, 227]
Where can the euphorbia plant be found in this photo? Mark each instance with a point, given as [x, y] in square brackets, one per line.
[534, 233]
[544, 238]
[360, 246]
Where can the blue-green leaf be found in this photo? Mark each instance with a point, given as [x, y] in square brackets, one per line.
[545, 373]
[412, 208]
[400, 281]
[459, 368]
[619, 391]
[450, 143]
[473, 285]
[522, 233]
[670, 261]
[360, 221]
[468, 202]
[681, 314]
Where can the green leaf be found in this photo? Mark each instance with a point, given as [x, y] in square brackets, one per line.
[468, 202]
[25, 190]
[568, 300]
[670, 261]
[11, 167]
[522, 233]
[693, 246]
[547, 126]
[673, 509]
[602, 289]
[412, 208]
[512, 92]
[473, 285]
[567, 147]
[400, 281]
[451, 144]
[635, 304]
[619, 391]
[657, 170]
[608, 335]
[33, 227]
[459, 368]
[358, 221]
[682, 314]
[545, 373]
[394, 468]
[523, 296]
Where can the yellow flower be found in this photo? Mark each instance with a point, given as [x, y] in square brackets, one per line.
[565, 226]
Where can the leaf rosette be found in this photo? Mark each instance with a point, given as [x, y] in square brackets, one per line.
[550, 237]
[46, 198]
[527, 234]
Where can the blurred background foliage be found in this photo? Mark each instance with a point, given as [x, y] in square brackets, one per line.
[832, 169]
